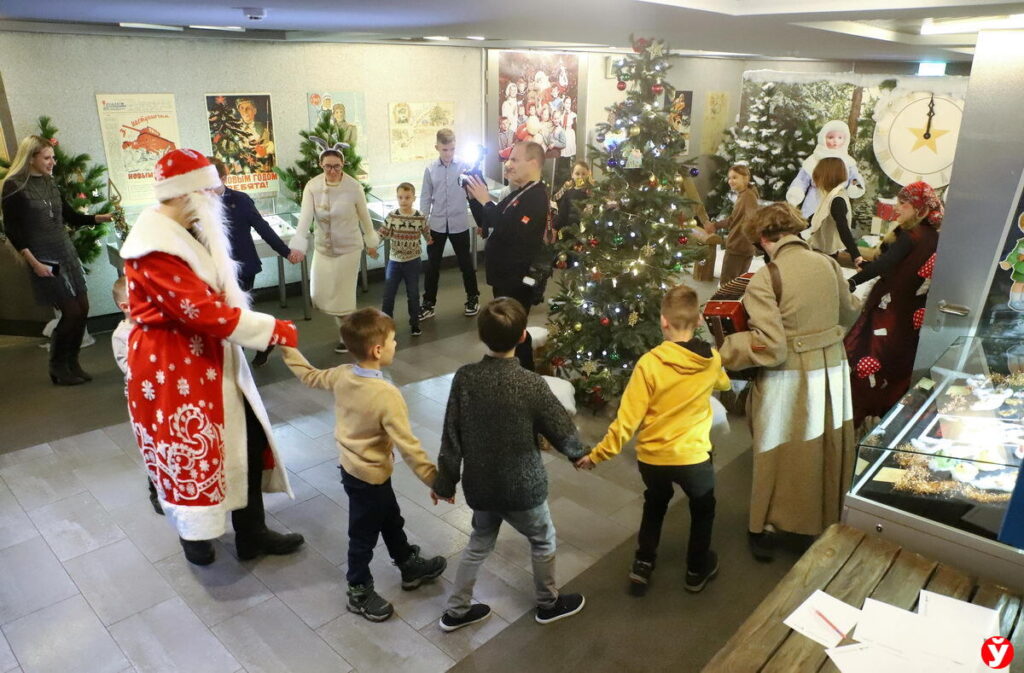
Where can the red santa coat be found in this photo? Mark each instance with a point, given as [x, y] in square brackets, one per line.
[188, 378]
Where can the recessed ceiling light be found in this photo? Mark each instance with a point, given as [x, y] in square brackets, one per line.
[150, 26]
[475, 37]
[234, 29]
[932, 27]
[436, 38]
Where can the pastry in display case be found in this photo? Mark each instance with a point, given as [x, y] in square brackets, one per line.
[952, 448]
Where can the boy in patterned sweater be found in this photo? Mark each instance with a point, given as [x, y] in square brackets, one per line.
[404, 227]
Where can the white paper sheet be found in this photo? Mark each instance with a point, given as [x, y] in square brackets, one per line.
[823, 618]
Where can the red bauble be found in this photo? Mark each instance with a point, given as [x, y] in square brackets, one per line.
[578, 247]
[620, 85]
[560, 264]
[596, 390]
[80, 195]
[657, 89]
[557, 362]
[640, 44]
[683, 240]
[606, 321]
[593, 242]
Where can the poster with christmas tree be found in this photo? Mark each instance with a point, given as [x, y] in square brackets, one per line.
[242, 136]
[630, 245]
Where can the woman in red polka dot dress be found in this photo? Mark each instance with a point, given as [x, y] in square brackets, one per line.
[882, 344]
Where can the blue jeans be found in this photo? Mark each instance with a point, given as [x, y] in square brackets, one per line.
[393, 277]
[536, 526]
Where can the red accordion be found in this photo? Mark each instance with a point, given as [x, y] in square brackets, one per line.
[724, 312]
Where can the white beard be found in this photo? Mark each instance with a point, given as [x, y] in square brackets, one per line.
[206, 212]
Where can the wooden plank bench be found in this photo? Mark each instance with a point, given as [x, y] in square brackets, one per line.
[851, 566]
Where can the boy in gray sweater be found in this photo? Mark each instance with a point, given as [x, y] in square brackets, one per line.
[495, 410]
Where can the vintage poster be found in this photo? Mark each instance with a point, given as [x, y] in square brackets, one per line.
[716, 119]
[347, 112]
[242, 136]
[414, 128]
[537, 98]
[138, 129]
[679, 106]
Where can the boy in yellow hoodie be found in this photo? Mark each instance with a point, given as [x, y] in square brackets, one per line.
[668, 399]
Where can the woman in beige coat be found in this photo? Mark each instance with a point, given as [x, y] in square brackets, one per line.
[800, 404]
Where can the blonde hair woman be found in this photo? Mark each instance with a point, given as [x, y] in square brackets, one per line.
[35, 216]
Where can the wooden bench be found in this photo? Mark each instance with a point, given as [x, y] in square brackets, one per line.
[851, 566]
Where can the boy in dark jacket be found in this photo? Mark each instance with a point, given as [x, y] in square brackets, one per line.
[495, 410]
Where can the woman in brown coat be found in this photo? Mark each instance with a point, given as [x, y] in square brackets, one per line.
[739, 252]
[800, 403]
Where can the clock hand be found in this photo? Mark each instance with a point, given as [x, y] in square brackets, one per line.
[931, 114]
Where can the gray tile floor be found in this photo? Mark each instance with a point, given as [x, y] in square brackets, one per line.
[93, 580]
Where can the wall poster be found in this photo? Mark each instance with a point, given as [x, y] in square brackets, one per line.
[414, 126]
[716, 111]
[137, 129]
[537, 100]
[346, 108]
[242, 136]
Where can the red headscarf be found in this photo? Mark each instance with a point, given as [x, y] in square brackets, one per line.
[923, 198]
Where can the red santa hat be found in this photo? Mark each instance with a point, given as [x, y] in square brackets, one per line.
[181, 172]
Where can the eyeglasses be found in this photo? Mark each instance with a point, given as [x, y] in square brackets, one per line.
[333, 167]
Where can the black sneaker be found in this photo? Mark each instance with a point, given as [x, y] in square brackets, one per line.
[363, 600]
[472, 306]
[416, 570]
[762, 546]
[416, 331]
[268, 542]
[341, 347]
[566, 606]
[427, 312]
[477, 613]
[640, 575]
[695, 582]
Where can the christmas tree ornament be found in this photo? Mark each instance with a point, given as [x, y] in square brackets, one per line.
[647, 250]
[694, 172]
[677, 267]
[640, 44]
[578, 247]
[561, 265]
[683, 240]
[614, 356]
[557, 362]
[657, 89]
[578, 327]
[653, 180]
[634, 318]
[593, 242]
[589, 368]
[562, 257]
[625, 200]
[600, 137]
[620, 85]
[597, 275]
[618, 239]
[678, 179]
[605, 321]
[634, 131]
[635, 159]
[613, 162]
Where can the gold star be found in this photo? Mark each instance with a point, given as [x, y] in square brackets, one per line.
[926, 142]
[657, 48]
[589, 367]
[634, 318]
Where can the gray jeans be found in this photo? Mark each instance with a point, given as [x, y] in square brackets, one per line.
[538, 528]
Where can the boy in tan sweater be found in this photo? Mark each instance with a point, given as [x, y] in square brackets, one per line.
[371, 419]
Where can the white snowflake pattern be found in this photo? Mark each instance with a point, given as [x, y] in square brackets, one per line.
[172, 294]
[147, 390]
[196, 345]
[160, 376]
[188, 361]
[152, 358]
[159, 415]
[211, 374]
[183, 387]
[204, 465]
[190, 310]
[177, 279]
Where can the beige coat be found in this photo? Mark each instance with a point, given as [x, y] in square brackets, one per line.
[801, 408]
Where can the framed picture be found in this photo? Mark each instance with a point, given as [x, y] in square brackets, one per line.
[8, 142]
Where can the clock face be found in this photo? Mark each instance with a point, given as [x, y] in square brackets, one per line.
[915, 138]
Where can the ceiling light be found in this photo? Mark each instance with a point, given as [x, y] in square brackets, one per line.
[932, 27]
[931, 69]
[436, 38]
[234, 29]
[476, 37]
[150, 26]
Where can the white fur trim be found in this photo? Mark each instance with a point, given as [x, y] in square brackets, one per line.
[155, 232]
[186, 183]
[253, 330]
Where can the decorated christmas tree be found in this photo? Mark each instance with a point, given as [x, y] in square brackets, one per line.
[773, 137]
[308, 165]
[83, 186]
[629, 246]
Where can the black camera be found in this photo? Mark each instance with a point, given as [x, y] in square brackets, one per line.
[477, 170]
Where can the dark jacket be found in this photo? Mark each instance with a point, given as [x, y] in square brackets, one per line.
[515, 233]
[242, 216]
[495, 411]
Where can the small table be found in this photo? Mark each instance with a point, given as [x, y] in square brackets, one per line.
[851, 566]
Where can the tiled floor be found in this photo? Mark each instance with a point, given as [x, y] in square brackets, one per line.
[93, 580]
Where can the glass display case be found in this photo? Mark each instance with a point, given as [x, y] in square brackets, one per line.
[945, 460]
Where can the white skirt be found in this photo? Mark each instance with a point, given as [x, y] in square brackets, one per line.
[333, 282]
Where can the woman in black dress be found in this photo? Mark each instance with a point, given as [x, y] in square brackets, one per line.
[35, 216]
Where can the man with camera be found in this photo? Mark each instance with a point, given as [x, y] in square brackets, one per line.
[514, 261]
